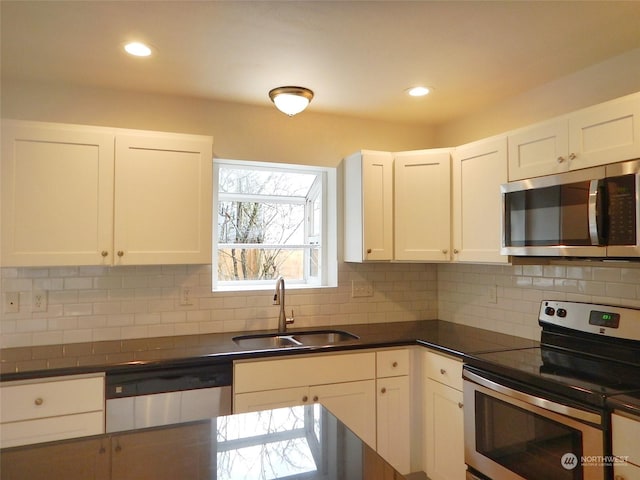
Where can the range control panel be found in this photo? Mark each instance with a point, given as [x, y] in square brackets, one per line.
[609, 320]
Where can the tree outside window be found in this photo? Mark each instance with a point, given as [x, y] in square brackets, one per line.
[269, 223]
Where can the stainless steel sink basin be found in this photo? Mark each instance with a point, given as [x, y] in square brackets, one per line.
[294, 339]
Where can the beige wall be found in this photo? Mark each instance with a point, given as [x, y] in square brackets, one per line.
[241, 132]
[610, 79]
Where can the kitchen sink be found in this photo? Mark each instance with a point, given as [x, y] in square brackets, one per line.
[294, 339]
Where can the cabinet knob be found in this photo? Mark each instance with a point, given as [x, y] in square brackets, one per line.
[383, 390]
[460, 404]
[445, 251]
[560, 159]
[455, 250]
[120, 253]
[394, 364]
[305, 399]
[315, 398]
[38, 401]
[572, 156]
[369, 250]
[443, 371]
[104, 253]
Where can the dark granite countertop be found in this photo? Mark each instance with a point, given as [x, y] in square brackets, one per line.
[629, 402]
[147, 353]
[298, 442]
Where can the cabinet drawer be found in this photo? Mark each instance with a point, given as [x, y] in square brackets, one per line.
[51, 398]
[625, 433]
[392, 363]
[254, 376]
[50, 429]
[443, 369]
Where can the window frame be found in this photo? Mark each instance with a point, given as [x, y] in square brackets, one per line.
[325, 186]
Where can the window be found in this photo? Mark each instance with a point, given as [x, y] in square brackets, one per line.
[272, 220]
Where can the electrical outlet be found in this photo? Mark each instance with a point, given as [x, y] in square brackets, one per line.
[11, 302]
[361, 289]
[39, 301]
[185, 296]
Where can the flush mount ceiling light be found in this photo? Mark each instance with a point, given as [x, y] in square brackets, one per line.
[137, 49]
[291, 100]
[418, 91]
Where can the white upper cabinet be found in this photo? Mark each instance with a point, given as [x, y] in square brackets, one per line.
[478, 170]
[602, 134]
[422, 189]
[163, 199]
[76, 195]
[368, 206]
[57, 194]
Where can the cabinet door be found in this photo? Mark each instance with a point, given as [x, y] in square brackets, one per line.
[444, 440]
[57, 186]
[625, 432]
[393, 421]
[268, 399]
[422, 205]
[478, 171]
[183, 452]
[539, 150]
[626, 472]
[606, 133]
[74, 460]
[354, 403]
[163, 199]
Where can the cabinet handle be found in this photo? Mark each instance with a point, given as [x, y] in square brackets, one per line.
[455, 250]
[572, 156]
[560, 159]
[38, 401]
[460, 404]
[369, 250]
[315, 398]
[443, 371]
[120, 253]
[445, 251]
[104, 253]
[305, 399]
[383, 390]
[118, 448]
[394, 364]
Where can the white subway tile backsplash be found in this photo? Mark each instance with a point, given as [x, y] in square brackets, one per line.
[113, 303]
[523, 287]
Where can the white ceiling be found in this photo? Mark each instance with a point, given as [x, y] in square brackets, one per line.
[357, 56]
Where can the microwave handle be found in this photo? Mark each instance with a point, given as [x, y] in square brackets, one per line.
[596, 211]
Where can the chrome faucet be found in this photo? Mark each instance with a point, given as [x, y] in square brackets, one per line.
[278, 299]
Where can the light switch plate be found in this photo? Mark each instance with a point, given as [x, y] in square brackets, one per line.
[361, 289]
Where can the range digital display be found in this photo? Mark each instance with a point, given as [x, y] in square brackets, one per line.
[604, 319]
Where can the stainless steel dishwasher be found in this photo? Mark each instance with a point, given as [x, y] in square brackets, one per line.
[162, 396]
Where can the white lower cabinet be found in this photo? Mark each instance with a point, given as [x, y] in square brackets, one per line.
[368, 391]
[625, 432]
[392, 408]
[443, 419]
[45, 410]
[343, 383]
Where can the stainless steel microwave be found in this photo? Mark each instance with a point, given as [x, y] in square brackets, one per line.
[585, 213]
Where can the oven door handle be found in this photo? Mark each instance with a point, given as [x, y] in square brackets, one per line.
[533, 400]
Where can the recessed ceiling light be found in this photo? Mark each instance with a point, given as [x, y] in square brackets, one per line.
[138, 49]
[418, 91]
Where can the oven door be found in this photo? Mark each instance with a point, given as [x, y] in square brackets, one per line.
[510, 434]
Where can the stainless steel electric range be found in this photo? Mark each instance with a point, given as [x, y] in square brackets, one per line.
[541, 413]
